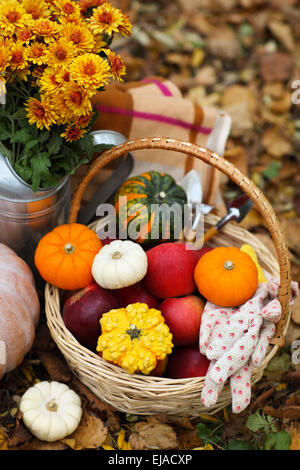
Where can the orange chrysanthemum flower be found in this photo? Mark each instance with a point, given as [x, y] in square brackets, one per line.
[38, 71]
[12, 17]
[60, 53]
[45, 28]
[84, 121]
[41, 113]
[19, 57]
[106, 19]
[36, 8]
[37, 53]
[76, 100]
[86, 4]
[90, 71]
[25, 35]
[73, 133]
[117, 66]
[81, 38]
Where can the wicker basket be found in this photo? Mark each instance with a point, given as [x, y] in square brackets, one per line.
[144, 395]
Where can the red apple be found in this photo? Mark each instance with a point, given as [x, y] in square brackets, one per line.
[183, 317]
[136, 293]
[171, 270]
[187, 361]
[83, 310]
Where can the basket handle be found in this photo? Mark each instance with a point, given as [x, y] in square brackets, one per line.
[218, 162]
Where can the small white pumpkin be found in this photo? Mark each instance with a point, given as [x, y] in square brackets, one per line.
[120, 263]
[51, 410]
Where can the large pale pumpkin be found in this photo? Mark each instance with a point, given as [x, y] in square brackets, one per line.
[19, 309]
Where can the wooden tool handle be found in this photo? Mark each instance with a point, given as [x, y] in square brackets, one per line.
[211, 232]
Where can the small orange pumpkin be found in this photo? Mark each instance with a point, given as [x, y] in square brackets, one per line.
[64, 256]
[226, 276]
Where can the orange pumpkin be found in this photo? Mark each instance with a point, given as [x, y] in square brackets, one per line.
[226, 276]
[64, 256]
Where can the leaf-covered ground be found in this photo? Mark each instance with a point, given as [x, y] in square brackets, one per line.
[242, 56]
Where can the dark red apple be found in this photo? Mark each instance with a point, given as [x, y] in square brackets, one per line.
[171, 270]
[160, 368]
[136, 293]
[187, 361]
[183, 317]
[106, 241]
[83, 310]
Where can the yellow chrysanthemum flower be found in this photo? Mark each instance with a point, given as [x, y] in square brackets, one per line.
[73, 133]
[37, 53]
[49, 82]
[60, 53]
[79, 35]
[90, 71]
[19, 57]
[64, 115]
[106, 19]
[36, 8]
[126, 27]
[45, 28]
[12, 17]
[99, 44]
[66, 7]
[41, 113]
[76, 99]
[117, 67]
[5, 56]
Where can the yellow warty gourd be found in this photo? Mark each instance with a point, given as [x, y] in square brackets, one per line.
[134, 338]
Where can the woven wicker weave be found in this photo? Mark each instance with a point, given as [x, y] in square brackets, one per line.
[140, 394]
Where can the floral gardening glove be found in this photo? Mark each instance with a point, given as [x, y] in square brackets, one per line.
[236, 339]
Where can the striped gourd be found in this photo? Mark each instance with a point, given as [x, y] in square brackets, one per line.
[150, 207]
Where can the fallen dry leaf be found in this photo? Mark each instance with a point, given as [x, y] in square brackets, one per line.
[90, 434]
[275, 66]
[282, 32]
[292, 334]
[223, 43]
[35, 444]
[291, 230]
[295, 435]
[289, 412]
[56, 367]
[275, 143]
[238, 157]
[296, 311]
[152, 434]
[240, 103]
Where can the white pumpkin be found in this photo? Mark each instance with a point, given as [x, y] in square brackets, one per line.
[120, 263]
[51, 410]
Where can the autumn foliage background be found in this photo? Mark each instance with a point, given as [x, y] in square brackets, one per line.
[241, 56]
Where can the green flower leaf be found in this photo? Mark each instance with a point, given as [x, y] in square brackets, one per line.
[22, 136]
[237, 444]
